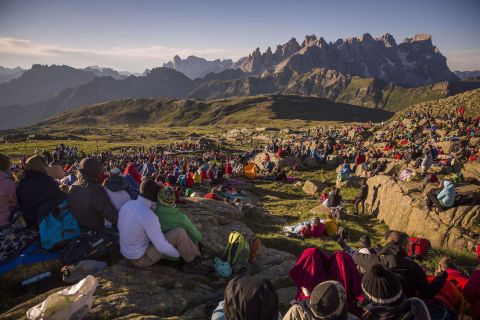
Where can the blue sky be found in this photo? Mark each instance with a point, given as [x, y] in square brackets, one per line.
[134, 35]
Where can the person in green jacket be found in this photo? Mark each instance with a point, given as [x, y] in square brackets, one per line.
[171, 217]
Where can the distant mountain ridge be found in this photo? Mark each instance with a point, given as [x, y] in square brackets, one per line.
[464, 75]
[40, 83]
[7, 74]
[254, 110]
[195, 67]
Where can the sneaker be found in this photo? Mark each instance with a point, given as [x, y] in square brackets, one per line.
[254, 246]
[196, 267]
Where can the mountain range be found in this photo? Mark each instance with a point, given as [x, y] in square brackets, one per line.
[375, 73]
[194, 67]
[7, 74]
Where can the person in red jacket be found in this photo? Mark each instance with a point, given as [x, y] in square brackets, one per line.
[228, 169]
[471, 290]
[189, 180]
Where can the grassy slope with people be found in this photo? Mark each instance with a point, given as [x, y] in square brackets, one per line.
[291, 203]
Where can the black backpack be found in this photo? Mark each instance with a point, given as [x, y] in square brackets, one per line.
[95, 245]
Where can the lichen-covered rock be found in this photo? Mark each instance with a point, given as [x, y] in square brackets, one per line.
[399, 205]
[125, 292]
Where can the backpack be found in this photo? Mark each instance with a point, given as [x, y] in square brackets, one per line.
[95, 245]
[58, 227]
[237, 251]
[457, 178]
[419, 247]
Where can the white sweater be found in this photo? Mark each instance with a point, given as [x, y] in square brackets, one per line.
[118, 198]
[138, 226]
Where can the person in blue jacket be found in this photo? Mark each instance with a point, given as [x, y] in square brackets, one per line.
[444, 199]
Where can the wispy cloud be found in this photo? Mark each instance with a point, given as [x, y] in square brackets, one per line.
[122, 56]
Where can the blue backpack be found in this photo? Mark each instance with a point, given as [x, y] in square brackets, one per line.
[58, 227]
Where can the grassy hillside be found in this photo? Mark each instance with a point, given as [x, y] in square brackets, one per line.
[256, 110]
[470, 100]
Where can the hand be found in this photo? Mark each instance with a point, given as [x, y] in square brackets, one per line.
[443, 264]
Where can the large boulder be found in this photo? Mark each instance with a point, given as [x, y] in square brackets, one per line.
[313, 187]
[471, 170]
[279, 162]
[399, 205]
[164, 290]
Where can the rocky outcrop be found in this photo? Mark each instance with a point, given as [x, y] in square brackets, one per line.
[125, 292]
[279, 162]
[364, 56]
[313, 187]
[195, 67]
[400, 205]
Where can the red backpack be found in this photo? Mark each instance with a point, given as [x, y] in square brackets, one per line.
[419, 247]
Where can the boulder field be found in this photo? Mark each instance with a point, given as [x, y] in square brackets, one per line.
[125, 292]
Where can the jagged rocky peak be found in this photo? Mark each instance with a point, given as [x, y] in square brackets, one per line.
[309, 40]
[366, 37]
[419, 37]
[363, 56]
[195, 67]
[388, 40]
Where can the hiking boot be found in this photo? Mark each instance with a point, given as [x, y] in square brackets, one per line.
[254, 246]
[196, 267]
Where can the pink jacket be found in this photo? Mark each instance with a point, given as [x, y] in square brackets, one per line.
[8, 197]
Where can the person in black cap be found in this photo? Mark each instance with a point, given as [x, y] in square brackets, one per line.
[248, 298]
[328, 301]
[386, 300]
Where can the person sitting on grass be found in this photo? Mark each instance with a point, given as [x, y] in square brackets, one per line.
[171, 217]
[314, 230]
[142, 241]
[443, 199]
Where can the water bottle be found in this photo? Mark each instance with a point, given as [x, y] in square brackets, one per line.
[36, 278]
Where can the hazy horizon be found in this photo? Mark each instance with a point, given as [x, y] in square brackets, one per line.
[134, 36]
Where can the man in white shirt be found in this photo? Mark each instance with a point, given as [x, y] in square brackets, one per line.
[142, 240]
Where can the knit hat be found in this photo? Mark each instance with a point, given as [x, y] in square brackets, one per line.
[381, 286]
[4, 162]
[250, 298]
[327, 300]
[36, 163]
[90, 168]
[149, 190]
[115, 181]
[166, 197]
